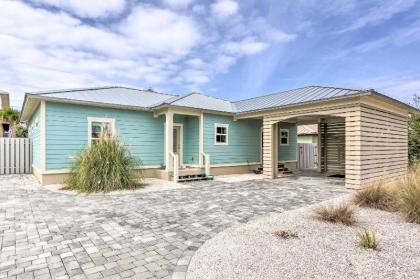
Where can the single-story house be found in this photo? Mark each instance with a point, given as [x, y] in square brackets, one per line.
[4, 103]
[307, 133]
[362, 133]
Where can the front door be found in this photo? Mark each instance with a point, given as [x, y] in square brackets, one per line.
[177, 143]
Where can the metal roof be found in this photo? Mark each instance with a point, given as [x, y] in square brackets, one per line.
[200, 101]
[307, 130]
[121, 96]
[293, 97]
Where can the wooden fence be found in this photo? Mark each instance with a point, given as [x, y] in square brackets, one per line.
[15, 155]
[307, 155]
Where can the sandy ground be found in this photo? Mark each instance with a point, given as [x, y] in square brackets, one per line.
[238, 177]
[150, 185]
[322, 250]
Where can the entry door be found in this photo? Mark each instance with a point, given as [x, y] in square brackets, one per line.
[177, 143]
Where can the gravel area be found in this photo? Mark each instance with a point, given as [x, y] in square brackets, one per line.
[322, 250]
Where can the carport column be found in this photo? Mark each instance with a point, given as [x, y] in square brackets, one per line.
[270, 137]
[169, 137]
[201, 140]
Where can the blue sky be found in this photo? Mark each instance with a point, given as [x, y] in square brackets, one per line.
[224, 48]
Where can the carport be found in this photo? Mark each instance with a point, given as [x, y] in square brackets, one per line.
[362, 134]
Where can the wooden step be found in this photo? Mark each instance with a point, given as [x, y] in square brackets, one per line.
[192, 177]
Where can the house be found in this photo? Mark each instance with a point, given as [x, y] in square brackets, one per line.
[307, 133]
[362, 134]
[4, 103]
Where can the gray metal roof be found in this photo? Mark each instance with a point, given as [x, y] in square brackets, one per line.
[293, 97]
[200, 101]
[121, 96]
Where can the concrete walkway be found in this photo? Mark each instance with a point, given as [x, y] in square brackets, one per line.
[46, 234]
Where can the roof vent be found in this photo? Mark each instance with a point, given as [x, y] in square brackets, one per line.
[150, 90]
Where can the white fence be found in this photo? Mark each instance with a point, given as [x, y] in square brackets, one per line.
[307, 155]
[15, 155]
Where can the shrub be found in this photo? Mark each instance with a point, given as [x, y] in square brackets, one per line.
[409, 195]
[104, 166]
[286, 234]
[367, 239]
[343, 213]
[376, 196]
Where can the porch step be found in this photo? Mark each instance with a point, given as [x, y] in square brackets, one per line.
[280, 167]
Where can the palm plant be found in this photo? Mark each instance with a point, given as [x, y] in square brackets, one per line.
[11, 116]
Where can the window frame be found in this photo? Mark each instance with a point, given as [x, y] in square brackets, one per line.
[226, 126]
[111, 121]
[288, 137]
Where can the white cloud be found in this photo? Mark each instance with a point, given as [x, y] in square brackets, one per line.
[87, 9]
[161, 31]
[177, 4]
[380, 13]
[224, 8]
[245, 47]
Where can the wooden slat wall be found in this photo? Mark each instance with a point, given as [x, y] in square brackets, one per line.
[15, 156]
[333, 148]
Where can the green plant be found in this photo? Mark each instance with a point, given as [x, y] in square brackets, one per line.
[21, 131]
[105, 165]
[343, 213]
[376, 196]
[367, 239]
[11, 116]
[409, 195]
[285, 234]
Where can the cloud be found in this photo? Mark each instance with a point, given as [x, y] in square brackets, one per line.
[177, 4]
[86, 9]
[245, 46]
[224, 8]
[380, 13]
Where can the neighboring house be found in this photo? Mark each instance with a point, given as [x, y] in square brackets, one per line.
[363, 133]
[4, 103]
[307, 134]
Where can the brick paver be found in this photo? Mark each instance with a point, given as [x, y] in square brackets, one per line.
[45, 234]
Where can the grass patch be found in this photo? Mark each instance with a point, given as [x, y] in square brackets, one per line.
[409, 195]
[368, 240]
[343, 213]
[377, 196]
[104, 166]
[286, 234]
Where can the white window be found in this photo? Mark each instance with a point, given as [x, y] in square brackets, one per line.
[284, 136]
[221, 134]
[98, 126]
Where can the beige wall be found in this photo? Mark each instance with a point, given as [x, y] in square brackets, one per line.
[376, 137]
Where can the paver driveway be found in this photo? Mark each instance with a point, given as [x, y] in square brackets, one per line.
[46, 234]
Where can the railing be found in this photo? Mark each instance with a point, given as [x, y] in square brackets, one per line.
[175, 165]
[206, 160]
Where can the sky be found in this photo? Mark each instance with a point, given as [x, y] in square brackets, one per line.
[228, 49]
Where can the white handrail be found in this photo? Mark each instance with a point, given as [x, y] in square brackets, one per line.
[206, 163]
[175, 166]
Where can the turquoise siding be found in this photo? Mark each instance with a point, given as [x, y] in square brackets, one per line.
[67, 133]
[190, 138]
[288, 152]
[244, 141]
[34, 133]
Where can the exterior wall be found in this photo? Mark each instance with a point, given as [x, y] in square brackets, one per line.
[307, 139]
[34, 133]
[67, 133]
[190, 138]
[244, 140]
[288, 152]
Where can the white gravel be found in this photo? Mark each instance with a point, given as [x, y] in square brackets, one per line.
[322, 250]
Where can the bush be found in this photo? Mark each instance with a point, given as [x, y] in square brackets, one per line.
[343, 213]
[376, 196]
[409, 195]
[368, 240]
[104, 166]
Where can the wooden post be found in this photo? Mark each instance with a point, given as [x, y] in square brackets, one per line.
[169, 136]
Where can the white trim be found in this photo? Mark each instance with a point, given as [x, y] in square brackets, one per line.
[215, 133]
[235, 164]
[43, 135]
[169, 129]
[181, 148]
[288, 136]
[288, 161]
[201, 140]
[68, 170]
[102, 120]
[192, 166]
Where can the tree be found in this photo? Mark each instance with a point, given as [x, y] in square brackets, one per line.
[414, 133]
[11, 116]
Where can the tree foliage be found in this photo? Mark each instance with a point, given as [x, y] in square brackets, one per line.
[414, 134]
[12, 116]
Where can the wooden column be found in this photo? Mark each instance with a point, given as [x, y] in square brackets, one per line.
[270, 135]
[169, 136]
